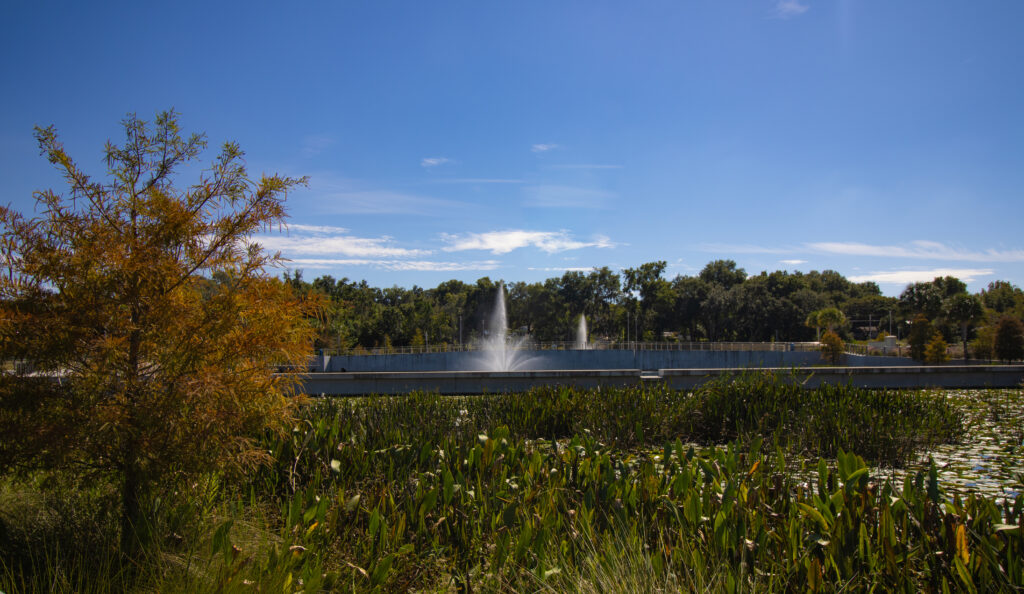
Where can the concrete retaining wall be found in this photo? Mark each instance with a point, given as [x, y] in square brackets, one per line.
[480, 382]
[595, 359]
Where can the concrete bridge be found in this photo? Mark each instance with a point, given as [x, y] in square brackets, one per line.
[718, 356]
[479, 382]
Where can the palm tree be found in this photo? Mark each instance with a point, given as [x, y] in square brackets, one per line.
[829, 317]
[964, 309]
[813, 322]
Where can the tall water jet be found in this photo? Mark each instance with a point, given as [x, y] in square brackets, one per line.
[581, 334]
[499, 352]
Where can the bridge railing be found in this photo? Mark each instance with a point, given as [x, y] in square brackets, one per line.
[596, 346]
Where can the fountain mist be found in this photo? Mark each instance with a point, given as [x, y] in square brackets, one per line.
[499, 352]
[581, 333]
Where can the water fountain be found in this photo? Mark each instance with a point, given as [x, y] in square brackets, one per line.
[499, 352]
[581, 334]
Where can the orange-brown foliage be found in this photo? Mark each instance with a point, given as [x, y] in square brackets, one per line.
[146, 315]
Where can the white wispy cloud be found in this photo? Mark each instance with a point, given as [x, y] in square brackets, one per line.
[742, 248]
[503, 242]
[477, 180]
[584, 166]
[434, 161]
[915, 250]
[332, 241]
[316, 228]
[543, 148]
[341, 200]
[787, 9]
[315, 144]
[793, 262]
[922, 250]
[906, 277]
[559, 196]
[331, 194]
[394, 265]
[563, 268]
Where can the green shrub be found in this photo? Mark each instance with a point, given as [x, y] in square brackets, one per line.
[832, 348]
[1009, 339]
[937, 351]
[983, 345]
[921, 331]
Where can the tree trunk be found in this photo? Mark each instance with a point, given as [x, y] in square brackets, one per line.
[132, 522]
[131, 490]
[963, 337]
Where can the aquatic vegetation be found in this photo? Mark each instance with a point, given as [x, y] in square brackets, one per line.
[745, 485]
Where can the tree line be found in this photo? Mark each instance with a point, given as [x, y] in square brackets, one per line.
[720, 303]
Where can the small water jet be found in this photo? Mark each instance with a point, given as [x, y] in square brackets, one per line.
[499, 351]
[581, 334]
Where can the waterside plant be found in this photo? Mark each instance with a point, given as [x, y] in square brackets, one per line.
[739, 486]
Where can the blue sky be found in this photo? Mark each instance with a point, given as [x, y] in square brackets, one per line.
[516, 140]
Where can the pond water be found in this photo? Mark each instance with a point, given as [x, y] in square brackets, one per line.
[990, 458]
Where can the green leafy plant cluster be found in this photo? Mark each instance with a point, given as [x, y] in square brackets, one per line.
[588, 490]
[497, 511]
[884, 426]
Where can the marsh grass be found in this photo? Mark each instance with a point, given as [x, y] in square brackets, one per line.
[57, 535]
[556, 489]
[887, 426]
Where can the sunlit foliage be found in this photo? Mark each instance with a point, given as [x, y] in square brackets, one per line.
[130, 361]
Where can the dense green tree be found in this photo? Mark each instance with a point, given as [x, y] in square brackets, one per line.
[803, 302]
[689, 293]
[757, 308]
[539, 308]
[480, 301]
[644, 278]
[646, 282]
[722, 303]
[832, 286]
[922, 298]
[450, 300]
[921, 331]
[717, 313]
[1001, 296]
[592, 294]
[574, 291]
[604, 290]
[963, 310]
[949, 286]
[723, 273]
[928, 298]
[871, 310]
[1009, 339]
